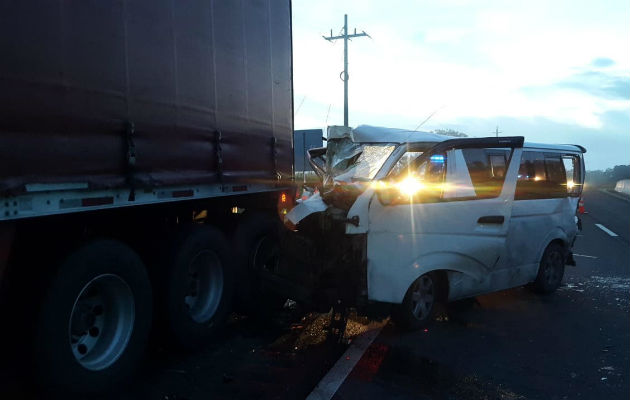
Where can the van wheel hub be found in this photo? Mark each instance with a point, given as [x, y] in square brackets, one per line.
[422, 297]
[553, 267]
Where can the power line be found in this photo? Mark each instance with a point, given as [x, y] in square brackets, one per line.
[327, 114]
[300, 106]
[497, 131]
[429, 117]
[344, 74]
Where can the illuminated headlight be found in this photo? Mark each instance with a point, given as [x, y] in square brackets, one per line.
[410, 186]
[570, 184]
[379, 185]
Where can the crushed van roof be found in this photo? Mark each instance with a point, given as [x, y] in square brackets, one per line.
[377, 134]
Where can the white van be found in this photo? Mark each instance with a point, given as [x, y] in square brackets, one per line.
[427, 218]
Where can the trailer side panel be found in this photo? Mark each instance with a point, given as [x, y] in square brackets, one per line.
[199, 90]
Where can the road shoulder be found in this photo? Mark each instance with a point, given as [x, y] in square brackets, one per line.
[616, 195]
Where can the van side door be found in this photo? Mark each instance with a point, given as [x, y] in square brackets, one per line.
[457, 222]
[548, 187]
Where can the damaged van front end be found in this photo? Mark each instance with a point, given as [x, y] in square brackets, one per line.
[408, 219]
[325, 251]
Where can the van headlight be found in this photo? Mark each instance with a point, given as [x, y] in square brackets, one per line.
[410, 186]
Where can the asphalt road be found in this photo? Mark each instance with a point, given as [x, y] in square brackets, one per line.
[573, 344]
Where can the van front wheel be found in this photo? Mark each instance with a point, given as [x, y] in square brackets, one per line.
[551, 270]
[418, 307]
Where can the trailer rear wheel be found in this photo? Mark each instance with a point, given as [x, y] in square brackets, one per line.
[199, 286]
[94, 320]
[256, 244]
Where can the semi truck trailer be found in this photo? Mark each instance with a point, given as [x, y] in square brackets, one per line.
[145, 154]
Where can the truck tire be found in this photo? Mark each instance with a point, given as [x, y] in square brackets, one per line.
[418, 307]
[551, 269]
[94, 320]
[256, 244]
[199, 286]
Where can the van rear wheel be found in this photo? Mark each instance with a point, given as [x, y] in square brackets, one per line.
[418, 307]
[551, 270]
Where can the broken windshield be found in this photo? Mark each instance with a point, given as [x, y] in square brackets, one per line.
[351, 161]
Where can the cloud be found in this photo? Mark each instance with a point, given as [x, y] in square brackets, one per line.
[603, 62]
[606, 86]
[606, 146]
[599, 84]
[536, 62]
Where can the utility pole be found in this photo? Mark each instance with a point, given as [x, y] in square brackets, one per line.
[344, 75]
[497, 131]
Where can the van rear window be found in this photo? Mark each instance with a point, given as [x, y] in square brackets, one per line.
[575, 180]
[542, 176]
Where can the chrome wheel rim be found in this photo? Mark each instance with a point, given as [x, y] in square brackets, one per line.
[101, 322]
[205, 286]
[422, 297]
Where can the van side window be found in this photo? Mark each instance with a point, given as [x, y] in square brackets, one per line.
[487, 169]
[556, 183]
[475, 173]
[403, 164]
[541, 176]
[573, 167]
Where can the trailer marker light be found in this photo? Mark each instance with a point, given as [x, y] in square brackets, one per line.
[283, 198]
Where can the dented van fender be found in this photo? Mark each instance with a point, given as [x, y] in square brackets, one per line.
[360, 212]
[391, 286]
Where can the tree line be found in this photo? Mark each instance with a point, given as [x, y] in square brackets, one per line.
[608, 177]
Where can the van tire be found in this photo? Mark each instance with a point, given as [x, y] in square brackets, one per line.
[198, 286]
[94, 320]
[551, 269]
[411, 314]
[255, 243]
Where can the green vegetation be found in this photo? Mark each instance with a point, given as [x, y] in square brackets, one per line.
[608, 178]
[449, 132]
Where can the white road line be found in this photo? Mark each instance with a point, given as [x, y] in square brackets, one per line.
[328, 386]
[608, 231]
[583, 255]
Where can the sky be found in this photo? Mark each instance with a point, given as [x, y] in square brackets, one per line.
[552, 71]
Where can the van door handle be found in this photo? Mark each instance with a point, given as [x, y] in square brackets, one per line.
[491, 219]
